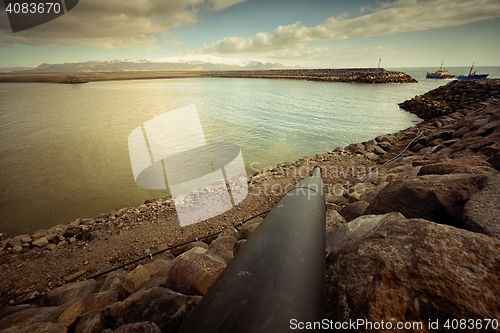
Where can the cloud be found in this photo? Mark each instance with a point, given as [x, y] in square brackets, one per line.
[113, 23]
[388, 18]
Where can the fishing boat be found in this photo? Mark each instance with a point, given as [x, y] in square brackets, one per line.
[439, 74]
[472, 75]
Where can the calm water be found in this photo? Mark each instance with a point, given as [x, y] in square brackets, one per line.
[64, 152]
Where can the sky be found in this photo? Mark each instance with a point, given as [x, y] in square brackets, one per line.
[312, 33]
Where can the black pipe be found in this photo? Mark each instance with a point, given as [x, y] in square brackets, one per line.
[277, 277]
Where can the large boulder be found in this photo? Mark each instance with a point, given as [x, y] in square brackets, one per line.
[354, 210]
[438, 198]
[194, 272]
[134, 279]
[32, 316]
[223, 247]
[85, 304]
[441, 168]
[162, 306]
[69, 292]
[389, 268]
[45, 327]
[482, 211]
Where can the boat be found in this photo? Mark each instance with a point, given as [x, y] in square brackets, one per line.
[472, 75]
[439, 74]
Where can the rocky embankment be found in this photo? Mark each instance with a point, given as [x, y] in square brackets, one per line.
[453, 97]
[413, 236]
[353, 75]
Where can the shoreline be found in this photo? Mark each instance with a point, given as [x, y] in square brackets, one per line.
[430, 192]
[353, 75]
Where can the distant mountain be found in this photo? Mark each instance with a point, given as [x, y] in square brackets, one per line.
[167, 64]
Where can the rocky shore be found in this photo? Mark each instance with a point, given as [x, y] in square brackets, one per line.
[353, 75]
[413, 236]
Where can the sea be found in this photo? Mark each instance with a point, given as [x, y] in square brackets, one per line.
[64, 150]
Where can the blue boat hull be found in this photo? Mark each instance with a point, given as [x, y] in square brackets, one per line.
[472, 77]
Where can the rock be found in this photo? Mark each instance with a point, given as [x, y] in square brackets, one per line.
[333, 220]
[354, 197]
[354, 210]
[228, 231]
[387, 266]
[113, 280]
[386, 138]
[51, 247]
[17, 241]
[372, 157]
[237, 246]
[88, 221]
[69, 231]
[223, 247]
[438, 198]
[489, 128]
[145, 306]
[96, 235]
[142, 327]
[85, 304]
[442, 168]
[355, 148]
[76, 223]
[39, 327]
[495, 161]
[11, 309]
[17, 249]
[69, 292]
[385, 145]
[75, 276]
[196, 244]
[157, 265]
[135, 279]
[248, 228]
[335, 199]
[90, 322]
[31, 316]
[26, 240]
[482, 211]
[52, 237]
[194, 272]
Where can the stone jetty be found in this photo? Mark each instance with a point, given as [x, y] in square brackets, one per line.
[352, 75]
[413, 237]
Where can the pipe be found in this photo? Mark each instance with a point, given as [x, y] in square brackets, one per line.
[278, 274]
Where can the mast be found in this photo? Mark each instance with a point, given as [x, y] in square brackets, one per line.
[470, 71]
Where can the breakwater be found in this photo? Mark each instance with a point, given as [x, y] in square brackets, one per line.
[353, 75]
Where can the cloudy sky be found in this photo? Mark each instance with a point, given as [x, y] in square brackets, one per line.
[313, 33]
